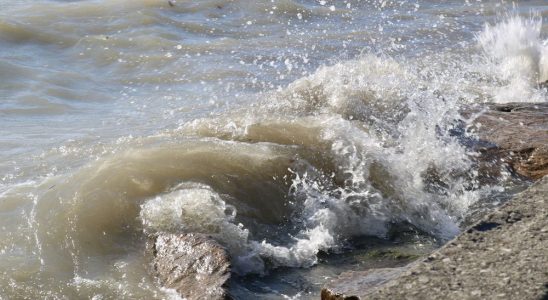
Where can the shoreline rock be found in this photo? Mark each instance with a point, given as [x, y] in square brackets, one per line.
[196, 266]
[503, 256]
[512, 133]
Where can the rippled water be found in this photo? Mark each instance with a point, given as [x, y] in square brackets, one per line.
[285, 129]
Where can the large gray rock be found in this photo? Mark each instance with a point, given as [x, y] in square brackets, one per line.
[503, 256]
[513, 133]
[194, 265]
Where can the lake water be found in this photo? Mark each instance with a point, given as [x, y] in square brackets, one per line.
[285, 129]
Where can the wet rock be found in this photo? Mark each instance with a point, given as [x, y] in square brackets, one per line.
[512, 133]
[194, 265]
[356, 284]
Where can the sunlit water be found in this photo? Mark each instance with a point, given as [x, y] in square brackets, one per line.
[284, 129]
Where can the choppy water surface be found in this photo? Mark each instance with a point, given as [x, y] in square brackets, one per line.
[285, 129]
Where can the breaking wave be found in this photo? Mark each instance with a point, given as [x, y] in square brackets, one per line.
[353, 149]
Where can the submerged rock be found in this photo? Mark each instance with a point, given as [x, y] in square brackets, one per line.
[514, 133]
[194, 265]
[356, 284]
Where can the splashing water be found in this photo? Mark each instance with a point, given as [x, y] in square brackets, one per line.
[519, 56]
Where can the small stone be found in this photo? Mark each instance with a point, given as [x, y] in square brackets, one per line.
[476, 293]
[423, 279]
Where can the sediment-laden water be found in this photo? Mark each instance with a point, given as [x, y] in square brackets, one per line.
[296, 133]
